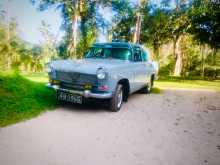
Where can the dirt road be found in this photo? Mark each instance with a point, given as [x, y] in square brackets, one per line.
[178, 127]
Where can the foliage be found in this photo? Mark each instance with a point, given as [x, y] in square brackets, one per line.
[81, 15]
[192, 27]
[155, 29]
[205, 23]
[22, 99]
[123, 21]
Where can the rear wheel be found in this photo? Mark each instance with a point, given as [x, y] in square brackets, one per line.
[148, 87]
[117, 99]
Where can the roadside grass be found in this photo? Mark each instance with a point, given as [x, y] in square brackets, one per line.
[189, 84]
[22, 99]
[37, 77]
[156, 90]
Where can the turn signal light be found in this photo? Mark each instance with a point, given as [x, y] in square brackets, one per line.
[88, 86]
[54, 82]
[103, 88]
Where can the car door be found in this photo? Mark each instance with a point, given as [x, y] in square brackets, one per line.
[138, 68]
[146, 67]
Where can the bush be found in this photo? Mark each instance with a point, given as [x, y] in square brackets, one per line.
[212, 73]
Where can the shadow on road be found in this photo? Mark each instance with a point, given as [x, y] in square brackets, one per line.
[90, 105]
[93, 105]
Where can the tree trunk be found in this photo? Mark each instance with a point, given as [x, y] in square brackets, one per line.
[156, 52]
[214, 56]
[73, 40]
[75, 24]
[202, 62]
[136, 38]
[178, 57]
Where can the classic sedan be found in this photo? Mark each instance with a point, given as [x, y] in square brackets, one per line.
[110, 71]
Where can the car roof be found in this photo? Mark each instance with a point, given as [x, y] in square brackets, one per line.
[116, 45]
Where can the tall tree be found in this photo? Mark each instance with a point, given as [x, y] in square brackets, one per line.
[49, 47]
[178, 26]
[155, 29]
[205, 23]
[124, 20]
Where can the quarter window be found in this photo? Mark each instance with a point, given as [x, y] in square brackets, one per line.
[145, 55]
[137, 54]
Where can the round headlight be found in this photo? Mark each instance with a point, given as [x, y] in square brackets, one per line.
[101, 74]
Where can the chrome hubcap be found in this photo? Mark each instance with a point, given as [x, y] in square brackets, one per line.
[120, 96]
[149, 86]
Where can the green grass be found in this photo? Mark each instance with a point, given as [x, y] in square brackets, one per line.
[156, 90]
[22, 99]
[189, 84]
[37, 77]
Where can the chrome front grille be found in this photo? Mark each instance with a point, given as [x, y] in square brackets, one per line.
[75, 78]
[64, 76]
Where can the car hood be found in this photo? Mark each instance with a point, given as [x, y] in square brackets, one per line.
[88, 66]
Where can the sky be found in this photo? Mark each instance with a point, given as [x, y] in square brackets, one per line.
[29, 20]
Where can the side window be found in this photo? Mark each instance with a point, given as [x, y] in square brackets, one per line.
[137, 54]
[145, 55]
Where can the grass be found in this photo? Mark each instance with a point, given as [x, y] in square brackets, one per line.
[37, 77]
[22, 99]
[156, 90]
[189, 84]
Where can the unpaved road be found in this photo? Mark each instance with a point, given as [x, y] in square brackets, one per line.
[178, 127]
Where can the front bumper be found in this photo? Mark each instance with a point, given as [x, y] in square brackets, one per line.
[85, 93]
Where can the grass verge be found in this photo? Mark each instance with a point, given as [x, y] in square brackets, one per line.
[189, 84]
[22, 99]
[156, 90]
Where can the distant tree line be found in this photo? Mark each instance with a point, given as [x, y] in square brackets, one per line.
[18, 55]
[183, 35]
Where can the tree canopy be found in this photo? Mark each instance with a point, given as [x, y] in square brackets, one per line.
[183, 35]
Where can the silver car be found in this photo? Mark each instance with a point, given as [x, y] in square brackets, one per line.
[110, 71]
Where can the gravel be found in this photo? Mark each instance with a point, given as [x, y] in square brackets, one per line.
[175, 127]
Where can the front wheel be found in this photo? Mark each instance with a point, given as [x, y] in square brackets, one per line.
[117, 99]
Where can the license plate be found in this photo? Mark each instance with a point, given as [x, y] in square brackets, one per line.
[69, 97]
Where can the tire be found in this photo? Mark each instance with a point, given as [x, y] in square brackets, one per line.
[117, 99]
[149, 85]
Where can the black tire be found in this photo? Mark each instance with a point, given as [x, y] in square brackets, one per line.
[117, 99]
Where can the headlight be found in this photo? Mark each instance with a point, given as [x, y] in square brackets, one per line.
[101, 74]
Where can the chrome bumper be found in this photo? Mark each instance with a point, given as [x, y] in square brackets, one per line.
[85, 93]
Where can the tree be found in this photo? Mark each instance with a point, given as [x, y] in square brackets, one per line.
[155, 29]
[123, 22]
[76, 13]
[178, 25]
[49, 48]
[205, 24]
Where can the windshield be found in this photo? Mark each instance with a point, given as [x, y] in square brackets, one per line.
[116, 53]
